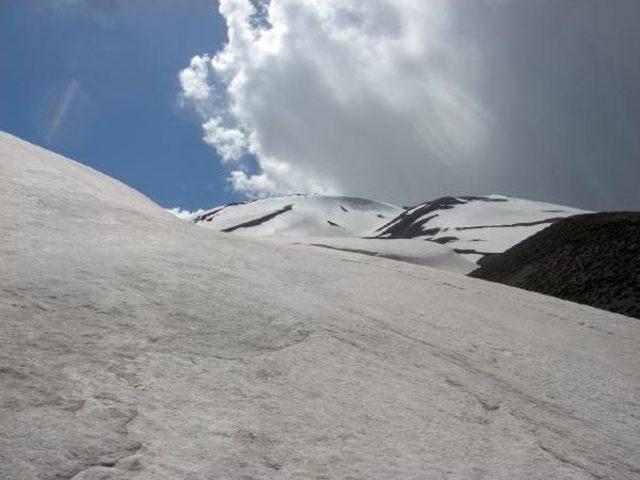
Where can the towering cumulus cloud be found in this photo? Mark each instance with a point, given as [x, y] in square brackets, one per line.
[356, 96]
[403, 100]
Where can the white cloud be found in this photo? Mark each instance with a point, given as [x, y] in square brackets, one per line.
[253, 185]
[266, 183]
[194, 80]
[184, 214]
[365, 97]
[230, 143]
[405, 100]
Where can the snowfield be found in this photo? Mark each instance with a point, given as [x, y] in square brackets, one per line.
[475, 226]
[139, 346]
[428, 254]
[470, 226]
[300, 216]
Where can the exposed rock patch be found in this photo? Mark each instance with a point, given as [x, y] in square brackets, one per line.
[592, 259]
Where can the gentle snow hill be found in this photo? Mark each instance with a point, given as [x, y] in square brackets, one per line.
[419, 252]
[300, 216]
[475, 226]
[334, 222]
[138, 346]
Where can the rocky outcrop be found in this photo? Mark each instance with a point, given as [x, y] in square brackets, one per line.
[592, 259]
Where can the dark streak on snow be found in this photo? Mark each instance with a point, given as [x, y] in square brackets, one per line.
[443, 240]
[409, 223]
[208, 216]
[472, 251]
[521, 224]
[567, 461]
[258, 221]
[362, 252]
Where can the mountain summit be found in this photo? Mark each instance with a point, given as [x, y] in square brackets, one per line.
[470, 225]
[300, 216]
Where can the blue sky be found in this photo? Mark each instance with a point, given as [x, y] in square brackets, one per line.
[114, 65]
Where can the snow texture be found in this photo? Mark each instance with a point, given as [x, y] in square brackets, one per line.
[139, 346]
[475, 226]
[415, 251]
[300, 216]
[470, 226]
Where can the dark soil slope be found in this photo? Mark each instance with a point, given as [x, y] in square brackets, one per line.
[592, 259]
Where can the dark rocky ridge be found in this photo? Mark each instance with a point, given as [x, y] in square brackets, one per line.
[592, 259]
[410, 224]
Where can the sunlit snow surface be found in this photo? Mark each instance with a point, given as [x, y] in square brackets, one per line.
[301, 216]
[415, 251]
[470, 226]
[490, 224]
[137, 346]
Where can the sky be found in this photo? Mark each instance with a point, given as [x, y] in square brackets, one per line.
[97, 81]
[196, 103]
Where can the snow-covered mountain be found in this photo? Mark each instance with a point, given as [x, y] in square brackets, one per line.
[475, 226]
[136, 346]
[471, 226]
[300, 216]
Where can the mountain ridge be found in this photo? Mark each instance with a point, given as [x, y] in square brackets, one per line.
[498, 222]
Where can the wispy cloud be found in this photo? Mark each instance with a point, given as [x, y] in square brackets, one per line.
[62, 109]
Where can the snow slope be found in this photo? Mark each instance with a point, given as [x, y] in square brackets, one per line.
[300, 216]
[138, 346]
[475, 226]
[419, 252]
[331, 221]
[471, 226]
